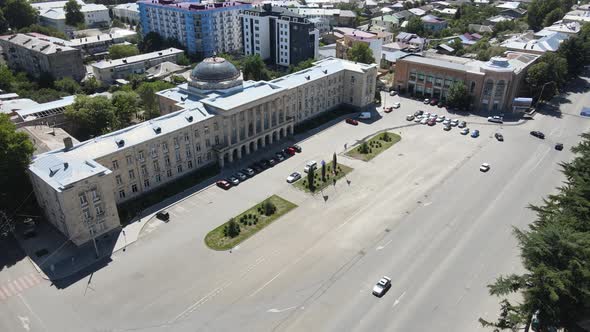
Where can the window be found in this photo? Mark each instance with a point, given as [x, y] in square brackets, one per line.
[216, 139]
[83, 200]
[95, 195]
[98, 209]
[158, 178]
[190, 164]
[115, 165]
[146, 183]
[177, 155]
[420, 77]
[186, 137]
[156, 166]
[209, 155]
[86, 213]
[207, 142]
[198, 147]
[206, 130]
[179, 168]
[167, 161]
[199, 160]
[165, 147]
[169, 173]
[176, 146]
[131, 174]
[118, 179]
[129, 160]
[144, 170]
[121, 193]
[215, 126]
[188, 153]
[196, 132]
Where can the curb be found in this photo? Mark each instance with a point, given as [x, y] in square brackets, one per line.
[43, 275]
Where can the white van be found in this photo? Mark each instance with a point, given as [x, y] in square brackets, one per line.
[365, 115]
[309, 165]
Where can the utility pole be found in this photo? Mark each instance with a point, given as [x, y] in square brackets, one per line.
[541, 94]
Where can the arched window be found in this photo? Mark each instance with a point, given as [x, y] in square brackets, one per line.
[472, 88]
[488, 87]
[500, 86]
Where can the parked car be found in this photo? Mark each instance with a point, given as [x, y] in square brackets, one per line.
[424, 121]
[419, 112]
[475, 133]
[290, 151]
[559, 146]
[163, 215]
[431, 122]
[240, 176]
[248, 171]
[223, 184]
[433, 102]
[440, 118]
[495, 119]
[447, 128]
[392, 93]
[462, 124]
[264, 164]
[409, 117]
[418, 119]
[426, 101]
[272, 162]
[352, 121]
[396, 105]
[293, 177]
[499, 137]
[388, 109]
[538, 134]
[484, 167]
[447, 122]
[440, 104]
[312, 164]
[382, 286]
[465, 131]
[454, 122]
[233, 180]
[279, 157]
[297, 148]
[365, 115]
[256, 167]
[426, 114]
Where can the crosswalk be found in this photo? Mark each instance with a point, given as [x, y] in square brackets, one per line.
[14, 287]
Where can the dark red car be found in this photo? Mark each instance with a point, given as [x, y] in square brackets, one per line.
[431, 122]
[297, 148]
[352, 121]
[223, 184]
[433, 101]
[290, 151]
[388, 109]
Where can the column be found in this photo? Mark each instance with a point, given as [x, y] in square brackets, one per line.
[220, 161]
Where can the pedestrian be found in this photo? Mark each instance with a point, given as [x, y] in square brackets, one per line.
[345, 145]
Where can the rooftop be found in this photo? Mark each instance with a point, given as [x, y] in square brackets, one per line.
[106, 37]
[38, 42]
[136, 58]
[548, 43]
[512, 61]
[192, 6]
[509, 5]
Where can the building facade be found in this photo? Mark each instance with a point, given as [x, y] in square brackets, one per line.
[127, 12]
[353, 37]
[94, 16]
[336, 17]
[278, 34]
[38, 54]
[215, 118]
[107, 71]
[99, 44]
[203, 28]
[492, 85]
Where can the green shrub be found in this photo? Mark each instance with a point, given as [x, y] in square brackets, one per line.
[269, 208]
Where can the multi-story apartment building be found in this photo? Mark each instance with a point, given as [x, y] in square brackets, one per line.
[127, 12]
[492, 85]
[107, 71]
[215, 118]
[279, 34]
[203, 28]
[37, 54]
[99, 44]
[353, 37]
[94, 16]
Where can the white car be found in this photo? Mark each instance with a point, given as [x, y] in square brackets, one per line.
[418, 119]
[396, 105]
[454, 122]
[293, 177]
[442, 117]
[484, 167]
[426, 101]
[309, 165]
[382, 286]
[439, 119]
[409, 117]
[392, 93]
[426, 114]
[447, 122]
[496, 119]
[365, 115]
[424, 121]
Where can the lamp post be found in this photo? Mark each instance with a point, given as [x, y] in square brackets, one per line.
[541, 94]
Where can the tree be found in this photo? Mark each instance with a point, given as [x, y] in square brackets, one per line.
[415, 25]
[44, 30]
[67, 84]
[576, 53]
[92, 115]
[152, 41]
[90, 85]
[335, 163]
[301, 65]
[254, 68]
[147, 94]
[16, 151]
[232, 229]
[122, 50]
[183, 60]
[458, 95]
[19, 13]
[127, 106]
[553, 16]
[537, 76]
[269, 207]
[360, 52]
[323, 171]
[3, 23]
[7, 78]
[74, 15]
[310, 179]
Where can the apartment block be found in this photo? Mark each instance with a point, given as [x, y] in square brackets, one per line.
[204, 29]
[278, 34]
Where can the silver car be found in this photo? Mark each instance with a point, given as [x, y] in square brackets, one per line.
[293, 177]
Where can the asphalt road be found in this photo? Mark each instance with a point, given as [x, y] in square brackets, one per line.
[421, 213]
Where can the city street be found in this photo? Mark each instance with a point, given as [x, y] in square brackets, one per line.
[421, 213]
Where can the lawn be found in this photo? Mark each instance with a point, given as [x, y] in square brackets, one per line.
[374, 146]
[318, 183]
[250, 221]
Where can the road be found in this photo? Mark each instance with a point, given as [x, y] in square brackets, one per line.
[421, 213]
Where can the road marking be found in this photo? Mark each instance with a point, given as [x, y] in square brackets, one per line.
[24, 320]
[280, 310]
[398, 300]
[540, 160]
[2, 296]
[427, 203]
[201, 301]
[6, 291]
[19, 286]
[266, 284]
[12, 288]
[28, 281]
[32, 312]
[384, 245]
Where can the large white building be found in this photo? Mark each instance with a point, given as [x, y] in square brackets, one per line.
[215, 118]
[127, 12]
[55, 17]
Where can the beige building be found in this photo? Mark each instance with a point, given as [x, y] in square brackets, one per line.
[36, 54]
[493, 85]
[215, 118]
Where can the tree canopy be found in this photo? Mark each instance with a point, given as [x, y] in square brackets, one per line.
[254, 68]
[93, 115]
[458, 95]
[415, 25]
[19, 13]
[3, 22]
[555, 251]
[122, 51]
[360, 52]
[74, 15]
[149, 100]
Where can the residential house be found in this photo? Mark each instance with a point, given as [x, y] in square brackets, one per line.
[385, 22]
[127, 12]
[548, 41]
[433, 23]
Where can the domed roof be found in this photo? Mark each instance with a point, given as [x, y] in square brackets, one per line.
[215, 70]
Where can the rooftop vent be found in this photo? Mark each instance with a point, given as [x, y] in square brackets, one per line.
[325, 71]
[124, 60]
[308, 77]
[68, 144]
[189, 118]
[66, 165]
[120, 143]
[157, 130]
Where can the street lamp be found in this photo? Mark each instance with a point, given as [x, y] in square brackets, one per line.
[541, 94]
